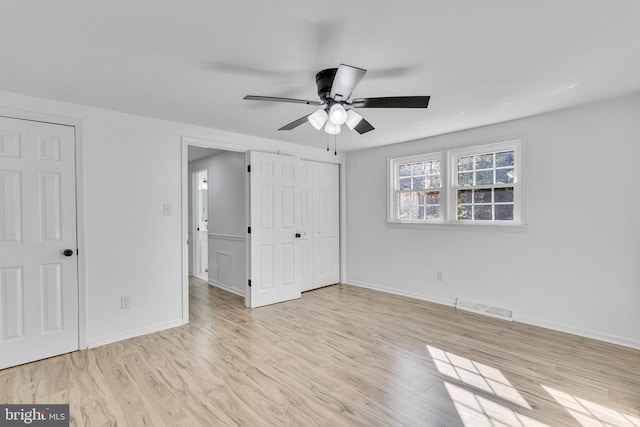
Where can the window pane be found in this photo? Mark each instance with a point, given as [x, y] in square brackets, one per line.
[504, 212]
[465, 163]
[464, 212]
[404, 212]
[504, 176]
[405, 199]
[484, 161]
[414, 198]
[433, 198]
[420, 213]
[504, 159]
[404, 170]
[421, 198]
[465, 179]
[484, 177]
[434, 182]
[433, 212]
[405, 183]
[433, 167]
[418, 183]
[465, 196]
[482, 212]
[418, 168]
[482, 196]
[413, 212]
[503, 194]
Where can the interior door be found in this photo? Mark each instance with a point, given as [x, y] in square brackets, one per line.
[275, 185]
[326, 224]
[202, 225]
[38, 247]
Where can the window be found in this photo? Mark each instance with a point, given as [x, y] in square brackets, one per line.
[472, 185]
[417, 188]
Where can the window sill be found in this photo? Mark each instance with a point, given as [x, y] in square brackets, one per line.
[507, 228]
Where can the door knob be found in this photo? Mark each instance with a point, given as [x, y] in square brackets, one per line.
[298, 235]
[67, 252]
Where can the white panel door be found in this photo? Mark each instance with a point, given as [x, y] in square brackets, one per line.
[276, 231]
[38, 282]
[326, 225]
[306, 224]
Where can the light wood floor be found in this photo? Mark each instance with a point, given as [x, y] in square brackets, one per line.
[340, 356]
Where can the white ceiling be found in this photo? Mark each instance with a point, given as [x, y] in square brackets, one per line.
[192, 61]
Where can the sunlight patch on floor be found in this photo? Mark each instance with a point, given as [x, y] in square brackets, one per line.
[485, 396]
[592, 414]
[477, 411]
[475, 374]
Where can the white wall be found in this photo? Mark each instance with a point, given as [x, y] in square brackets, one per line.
[132, 166]
[227, 221]
[574, 268]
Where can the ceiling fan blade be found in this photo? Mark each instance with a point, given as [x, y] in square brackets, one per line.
[392, 102]
[278, 99]
[294, 124]
[363, 126]
[345, 81]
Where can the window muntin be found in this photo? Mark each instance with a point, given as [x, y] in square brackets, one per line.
[475, 185]
[417, 189]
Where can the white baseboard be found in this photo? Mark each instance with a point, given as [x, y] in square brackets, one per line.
[134, 333]
[581, 332]
[429, 298]
[227, 288]
[586, 333]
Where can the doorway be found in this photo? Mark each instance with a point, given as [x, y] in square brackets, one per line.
[230, 238]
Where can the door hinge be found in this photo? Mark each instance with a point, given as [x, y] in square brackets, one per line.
[249, 168]
[77, 251]
[249, 282]
[248, 230]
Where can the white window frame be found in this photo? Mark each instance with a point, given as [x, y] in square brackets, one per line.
[394, 165]
[452, 160]
[448, 194]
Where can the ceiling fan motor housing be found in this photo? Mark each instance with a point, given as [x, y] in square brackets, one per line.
[324, 81]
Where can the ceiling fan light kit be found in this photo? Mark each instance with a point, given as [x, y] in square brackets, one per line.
[337, 114]
[335, 86]
[331, 128]
[318, 118]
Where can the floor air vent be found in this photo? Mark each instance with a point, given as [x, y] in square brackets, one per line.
[488, 310]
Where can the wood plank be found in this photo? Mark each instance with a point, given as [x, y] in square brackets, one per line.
[339, 356]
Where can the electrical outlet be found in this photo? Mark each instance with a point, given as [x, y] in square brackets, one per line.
[125, 302]
[440, 276]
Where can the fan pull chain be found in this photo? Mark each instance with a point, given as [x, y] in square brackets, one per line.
[327, 141]
[335, 144]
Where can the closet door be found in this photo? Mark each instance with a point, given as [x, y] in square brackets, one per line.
[326, 226]
[276, 184]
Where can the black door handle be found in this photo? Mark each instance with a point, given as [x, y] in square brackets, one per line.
[298, 235]
[67, 252]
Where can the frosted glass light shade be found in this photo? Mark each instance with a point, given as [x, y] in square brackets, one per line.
[353, 119]
[337, 114]
[318, 118]
[331, 129]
